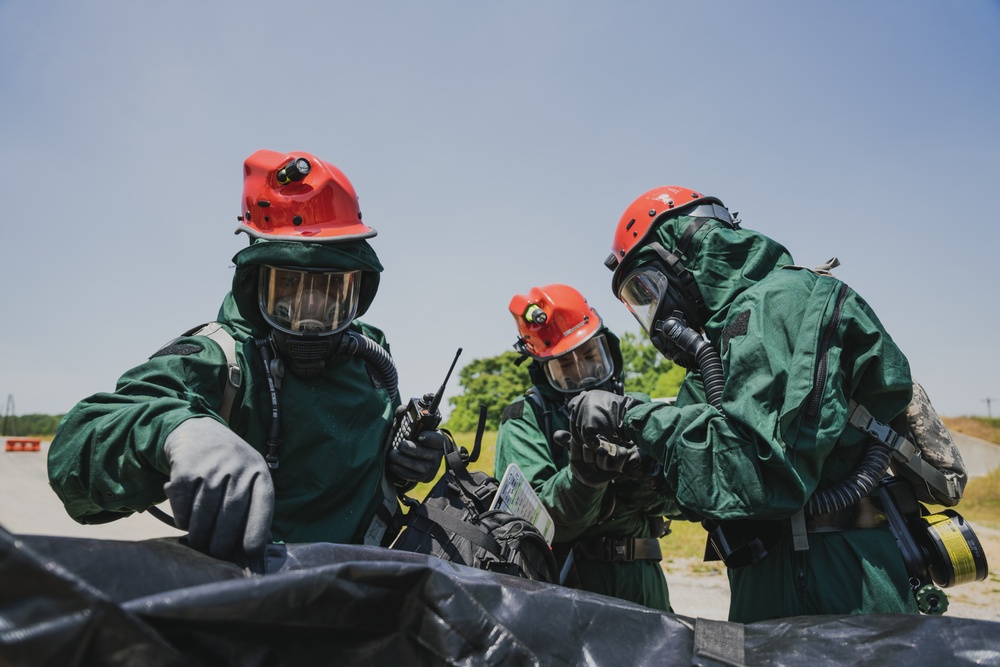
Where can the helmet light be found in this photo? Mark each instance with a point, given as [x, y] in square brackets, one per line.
[295, 170]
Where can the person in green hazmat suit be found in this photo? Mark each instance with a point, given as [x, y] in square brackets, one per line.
[272, 422]
[606, 511]
[759, 432]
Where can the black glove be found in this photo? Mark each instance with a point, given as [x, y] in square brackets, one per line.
[417, 461]
[599, 415]
[220, 489]
[597, 467]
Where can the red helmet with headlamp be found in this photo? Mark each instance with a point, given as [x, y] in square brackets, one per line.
[560, 330]
[298, 197]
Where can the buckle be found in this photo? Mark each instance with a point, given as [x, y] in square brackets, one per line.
[882, 432]
[861, 419]
[619, 549]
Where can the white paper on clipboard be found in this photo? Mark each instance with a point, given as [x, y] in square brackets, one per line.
[516, 496]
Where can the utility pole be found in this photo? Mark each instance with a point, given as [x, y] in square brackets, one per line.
[9, 426]
[989, 409]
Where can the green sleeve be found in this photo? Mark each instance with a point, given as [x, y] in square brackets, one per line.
[771, 450]
[106, 460]
[574, 506]
[644, 497]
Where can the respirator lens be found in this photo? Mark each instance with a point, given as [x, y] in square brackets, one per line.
[641, 292]
[583, 367]
[302, 302]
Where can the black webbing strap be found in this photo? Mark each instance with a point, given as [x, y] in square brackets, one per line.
[677, 268]
[712, 210]
[470, 490]
[721, 641]
[902, 450]
[863, 514]
[647, 548]
[456, 526]
[618, 549]
[688, 235]
[534, 394]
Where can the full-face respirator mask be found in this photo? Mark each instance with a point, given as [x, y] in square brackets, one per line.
[308, 311]
[664, 307]
[664, 299]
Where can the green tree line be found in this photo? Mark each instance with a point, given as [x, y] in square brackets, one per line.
[26, 425]
[496, 381]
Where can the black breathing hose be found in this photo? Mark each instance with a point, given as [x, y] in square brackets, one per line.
[859, 484]
[709, 362]
[355, 343]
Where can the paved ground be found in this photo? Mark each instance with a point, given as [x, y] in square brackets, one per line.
[980, 457]
[29, 506]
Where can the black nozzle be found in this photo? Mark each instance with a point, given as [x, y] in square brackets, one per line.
[683, 336]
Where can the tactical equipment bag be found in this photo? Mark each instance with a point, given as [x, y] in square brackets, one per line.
[455, 523]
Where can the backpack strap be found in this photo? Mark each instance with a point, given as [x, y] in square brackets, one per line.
[475, 494]
[461, 528]
[224, 340]
[534, 395]
[902, 450]
[387, 522]
[234, 375]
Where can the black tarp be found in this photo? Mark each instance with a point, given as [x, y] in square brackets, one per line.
[71, 601]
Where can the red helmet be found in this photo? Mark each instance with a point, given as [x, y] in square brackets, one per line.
[552, 320]
[640, 216]
[298, 197]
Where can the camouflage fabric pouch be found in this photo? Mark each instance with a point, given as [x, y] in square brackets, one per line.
[937, 448]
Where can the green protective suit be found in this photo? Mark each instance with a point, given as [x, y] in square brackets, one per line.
[577, 509]
[107, 461]
[795, 346]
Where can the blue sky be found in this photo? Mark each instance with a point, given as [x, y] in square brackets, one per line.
[494, 147]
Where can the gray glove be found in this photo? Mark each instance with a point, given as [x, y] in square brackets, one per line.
[419, 460]
[596, 467]
[597, 416]
[220, 489]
